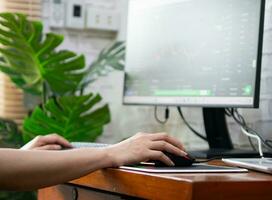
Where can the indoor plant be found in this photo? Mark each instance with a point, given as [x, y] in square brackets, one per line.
[33, 62]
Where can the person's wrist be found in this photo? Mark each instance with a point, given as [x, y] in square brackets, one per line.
[112, 157]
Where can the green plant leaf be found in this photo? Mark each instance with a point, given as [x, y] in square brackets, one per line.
[10, 136]
[31, 58]
[77, 118]
[109, 58]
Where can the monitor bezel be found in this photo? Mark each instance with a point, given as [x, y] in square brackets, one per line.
[256, 96]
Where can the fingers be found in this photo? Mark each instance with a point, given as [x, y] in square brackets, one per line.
[45, 142]
[49, 147]
[167, 138]
[164, 146]
[158, 155]
[159, 143]
[55, 139]
[145, 147]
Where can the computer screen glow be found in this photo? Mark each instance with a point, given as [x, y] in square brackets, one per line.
[193, 52]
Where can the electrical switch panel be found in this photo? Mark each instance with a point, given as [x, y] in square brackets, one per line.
[76, 12]
[103, 19]
[57, 13]
[82, 14]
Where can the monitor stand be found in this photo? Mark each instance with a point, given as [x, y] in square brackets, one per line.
[218, 137]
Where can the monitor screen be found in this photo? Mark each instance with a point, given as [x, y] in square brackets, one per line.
[194, 52]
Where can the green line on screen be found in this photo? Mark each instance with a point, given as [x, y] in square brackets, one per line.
[183, 93]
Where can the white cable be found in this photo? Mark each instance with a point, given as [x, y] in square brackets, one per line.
[255, 137]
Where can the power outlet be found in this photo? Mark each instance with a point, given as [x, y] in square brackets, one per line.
[112, 20]
[103, 19]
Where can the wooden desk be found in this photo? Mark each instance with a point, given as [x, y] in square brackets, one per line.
[122, 184]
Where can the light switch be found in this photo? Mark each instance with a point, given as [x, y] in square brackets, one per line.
[57, 13]
[76, 12]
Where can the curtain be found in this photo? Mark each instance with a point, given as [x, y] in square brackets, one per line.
[32, 8]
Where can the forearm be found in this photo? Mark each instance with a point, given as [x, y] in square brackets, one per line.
[28, 170]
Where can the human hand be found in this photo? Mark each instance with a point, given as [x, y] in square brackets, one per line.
[48, 142]
[144, 147]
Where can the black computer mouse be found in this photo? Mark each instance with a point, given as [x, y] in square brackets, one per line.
[179, 161]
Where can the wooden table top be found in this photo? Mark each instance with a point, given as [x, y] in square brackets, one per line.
[219, 186]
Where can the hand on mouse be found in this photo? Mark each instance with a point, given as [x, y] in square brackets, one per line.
[143, 147]
[48, 142]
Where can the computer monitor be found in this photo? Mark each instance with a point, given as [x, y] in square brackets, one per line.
[200, 53]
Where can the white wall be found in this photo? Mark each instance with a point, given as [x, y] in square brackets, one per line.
[127, 120]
